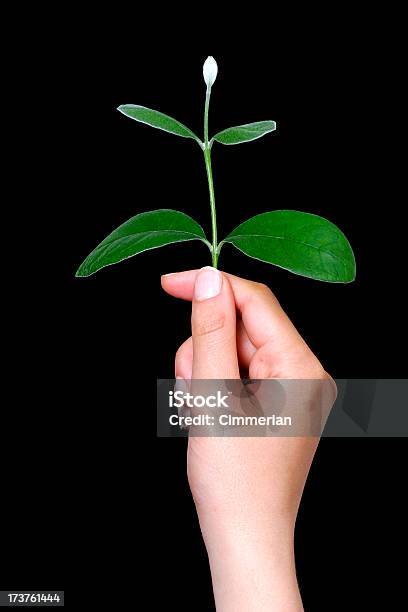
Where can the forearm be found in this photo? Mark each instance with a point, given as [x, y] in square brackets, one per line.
[247, 493]
[252, 564]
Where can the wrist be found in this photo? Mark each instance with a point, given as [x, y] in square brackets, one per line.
[252, 564]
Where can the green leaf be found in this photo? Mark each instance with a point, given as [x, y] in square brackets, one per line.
[148, 230]
[303, 243]
[157, 120]
[245, 133]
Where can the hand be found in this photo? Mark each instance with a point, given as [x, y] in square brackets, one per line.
[246, 490]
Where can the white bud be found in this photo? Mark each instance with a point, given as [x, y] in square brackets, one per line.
[210, 70]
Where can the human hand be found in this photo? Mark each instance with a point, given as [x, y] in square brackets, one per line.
[246, 490]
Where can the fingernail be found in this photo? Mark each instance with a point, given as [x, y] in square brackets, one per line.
[208, 284]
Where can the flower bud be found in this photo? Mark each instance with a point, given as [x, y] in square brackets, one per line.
[210, 70]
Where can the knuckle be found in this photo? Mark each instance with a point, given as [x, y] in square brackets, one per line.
[261, 367]
[332, 384]
[205, 326]
[311, 365]
[183, 352]
[262, 292]
[262, 288]
[180, 352]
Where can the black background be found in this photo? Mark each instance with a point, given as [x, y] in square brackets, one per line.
[90, 495]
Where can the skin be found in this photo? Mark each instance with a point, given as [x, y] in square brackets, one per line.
[246, 490]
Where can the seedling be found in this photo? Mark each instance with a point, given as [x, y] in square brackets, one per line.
[301, 242]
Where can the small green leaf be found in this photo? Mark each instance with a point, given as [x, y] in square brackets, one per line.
[303, 243]
[148, 230]
[157, 120]
[245, 133]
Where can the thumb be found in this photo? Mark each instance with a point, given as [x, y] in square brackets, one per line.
[213, 327]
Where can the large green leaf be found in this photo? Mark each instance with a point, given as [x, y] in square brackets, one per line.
[148, 230]
[300, 242]
[158, 120]
[245, 133]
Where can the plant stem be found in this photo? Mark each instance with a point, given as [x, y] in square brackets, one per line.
[207, 159]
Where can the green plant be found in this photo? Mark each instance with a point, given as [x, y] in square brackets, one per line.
[303, 243]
